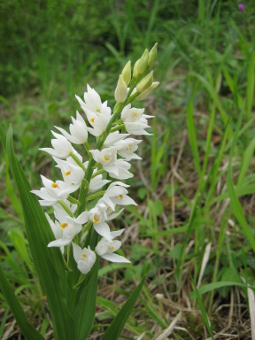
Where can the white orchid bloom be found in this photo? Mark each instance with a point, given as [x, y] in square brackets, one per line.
[61, 147]
[54, 191]
[116, 194]
[92, 101]
[120, 170]
[98, 216]
[85, 258]
[113, 138]
[106, 157]
[72, 173]
[106, 248]
[98, 121]
[65, 229]
[97, 183]
[135, 121]
[78, 130]
[126, 148]
[58, 233]
[131, 114]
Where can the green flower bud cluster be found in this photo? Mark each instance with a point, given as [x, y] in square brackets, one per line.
[141, 82]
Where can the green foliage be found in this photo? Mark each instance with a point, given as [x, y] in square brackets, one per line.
[198, 167]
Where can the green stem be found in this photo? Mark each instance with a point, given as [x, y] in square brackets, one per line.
[118, 127]
[77, 161]
[65, 207]
[95, 195]
[99, 172]
[73, 200]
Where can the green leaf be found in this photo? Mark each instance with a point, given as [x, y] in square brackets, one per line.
[113, 332]
[27, 329]
[250, 84]
[216, 285]
[192, 134]
[246, 161]
[85, 308]
[202, 309]
[48, 262]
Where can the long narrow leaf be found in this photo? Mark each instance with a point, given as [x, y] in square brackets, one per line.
[27, 329]
[86, 305]
[202, 309]
[113, 332]
[192, 134]
[48, 262]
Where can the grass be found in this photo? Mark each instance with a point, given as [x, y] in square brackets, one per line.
[193, 231]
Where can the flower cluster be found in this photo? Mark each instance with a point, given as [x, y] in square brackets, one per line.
[91, 192]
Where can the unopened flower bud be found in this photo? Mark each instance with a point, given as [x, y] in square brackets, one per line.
[126, 72]
[153, 54]
[145, 82]
[135, 70]
[121, 90]
[145, 93]
[143, 63]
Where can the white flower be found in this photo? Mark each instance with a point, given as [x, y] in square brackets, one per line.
[113, 138]
[106, 248]
[65, 229]
[117, 194]
[106, 157]
[72, 174]
[54, 191]
[85, 258]
[129, 114]
[92, 101]
[78, 130]
[61, 147]
[97, 183]
[98, 121]
[120, 170]
[98, 217]
[98, 113]
[126, 148]
[135, 121]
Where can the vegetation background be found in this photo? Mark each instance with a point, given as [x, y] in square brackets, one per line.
[193, 231]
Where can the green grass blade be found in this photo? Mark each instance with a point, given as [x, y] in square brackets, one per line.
[247, 157]
[192, 134]
[237, 208]
[202, 309]
[27, 329]
[216, 285]
[238, 211]
[250, 85]
[48, 262]
[113, 332]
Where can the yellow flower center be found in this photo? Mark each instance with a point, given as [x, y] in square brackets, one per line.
[111, 247]
[107, 158]
[92, 120]
[129, 147]
[83, 256]
[54, 185]
[134, 114]
[67, 173]
[96, 219]
[63, 225]
[121, 197]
